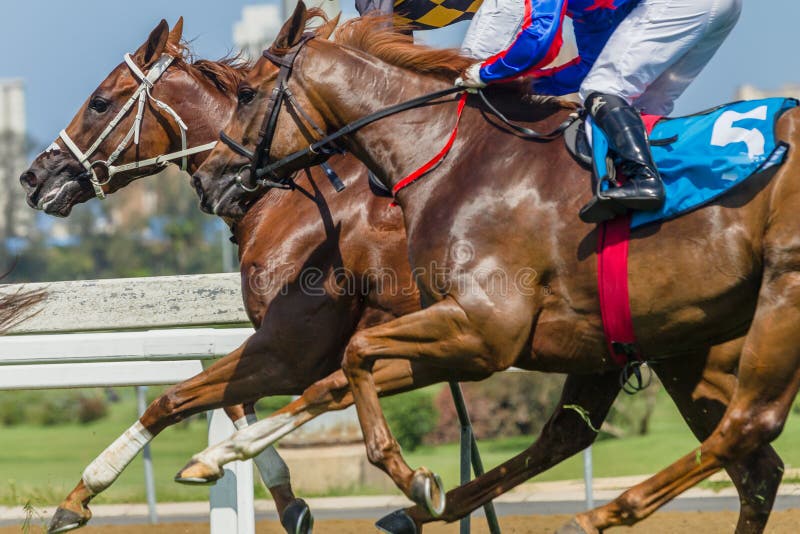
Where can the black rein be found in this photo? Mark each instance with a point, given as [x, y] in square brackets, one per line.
[325, 146]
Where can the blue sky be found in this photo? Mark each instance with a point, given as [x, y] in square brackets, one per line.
[63, 49]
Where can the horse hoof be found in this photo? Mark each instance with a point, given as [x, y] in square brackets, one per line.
[397, 522]
[427, 490]
[297, 518]
[573, 527]
[65, 520]
[197, 473]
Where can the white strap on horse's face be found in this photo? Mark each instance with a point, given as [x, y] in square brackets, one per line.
[139, 96]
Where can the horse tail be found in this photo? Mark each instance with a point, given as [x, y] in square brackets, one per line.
[16, 306]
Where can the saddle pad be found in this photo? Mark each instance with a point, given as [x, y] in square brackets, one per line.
[700, 157]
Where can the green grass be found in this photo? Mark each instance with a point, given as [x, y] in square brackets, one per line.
[42, 464]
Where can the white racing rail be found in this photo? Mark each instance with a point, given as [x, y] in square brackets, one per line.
[137, 332]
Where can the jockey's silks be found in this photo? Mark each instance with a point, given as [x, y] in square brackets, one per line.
[540, 40]
[433, 14]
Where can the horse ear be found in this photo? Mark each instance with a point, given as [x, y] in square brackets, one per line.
[326, 29]
[293, 29]
[176, 33]
[151, 50]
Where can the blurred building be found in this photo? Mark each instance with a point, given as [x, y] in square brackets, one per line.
[750, 92]
[15, 215]
[261, 22]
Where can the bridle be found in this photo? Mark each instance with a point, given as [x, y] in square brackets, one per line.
[140, 96]
[265, 171]
[281, 94]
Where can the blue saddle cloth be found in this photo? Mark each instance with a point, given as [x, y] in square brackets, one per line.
[701, 157]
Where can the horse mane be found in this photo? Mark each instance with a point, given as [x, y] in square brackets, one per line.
[378, 37]
[225, 73]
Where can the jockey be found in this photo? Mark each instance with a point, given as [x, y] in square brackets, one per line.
[632, 54]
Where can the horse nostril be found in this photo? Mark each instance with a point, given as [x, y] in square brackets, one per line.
[27, 178]
[197, 184]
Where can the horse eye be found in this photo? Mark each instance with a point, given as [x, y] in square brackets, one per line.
[246, 95]
[98, 104]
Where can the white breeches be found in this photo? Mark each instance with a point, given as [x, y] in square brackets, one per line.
[493, 28]
[656, 52]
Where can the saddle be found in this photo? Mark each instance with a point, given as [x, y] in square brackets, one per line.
[700, 157]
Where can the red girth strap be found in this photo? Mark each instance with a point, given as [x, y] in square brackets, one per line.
[612, 282]
[416, 175]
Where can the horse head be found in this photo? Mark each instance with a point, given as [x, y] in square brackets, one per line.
[153, 108]
[227, 180]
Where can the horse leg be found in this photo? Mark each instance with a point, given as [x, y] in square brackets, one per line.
[206, 390]
[584, 404]
[710, 381]
[329, 394]
[294, 512]
[441, 335]
[769, 377]
[702, 394]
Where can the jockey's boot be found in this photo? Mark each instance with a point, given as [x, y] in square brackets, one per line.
[643, 189]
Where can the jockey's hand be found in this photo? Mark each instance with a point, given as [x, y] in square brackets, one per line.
[471, 77]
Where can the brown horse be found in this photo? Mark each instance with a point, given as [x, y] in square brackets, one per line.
[204, 94]
[284, 241]
[730, 268]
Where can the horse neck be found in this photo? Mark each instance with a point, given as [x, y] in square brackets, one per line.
[205, 108]
[392, 147]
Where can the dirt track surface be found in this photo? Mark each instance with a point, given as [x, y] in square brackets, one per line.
[661, 523]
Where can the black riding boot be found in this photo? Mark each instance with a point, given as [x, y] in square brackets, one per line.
[643, 189]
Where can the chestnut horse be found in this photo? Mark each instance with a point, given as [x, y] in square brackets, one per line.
[204, 94]
[725, 272]
[284, 240]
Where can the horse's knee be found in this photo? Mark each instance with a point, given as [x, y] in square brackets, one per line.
[742, 432]
[355, 355]
[165, 409]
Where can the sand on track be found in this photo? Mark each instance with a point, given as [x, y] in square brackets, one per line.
[782, 522]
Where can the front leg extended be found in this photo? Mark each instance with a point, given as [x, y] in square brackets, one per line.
[329, 394]
[441, 336]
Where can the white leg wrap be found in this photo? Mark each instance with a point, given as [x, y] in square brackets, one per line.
[105, 469]
[271, 467]
[250, 441]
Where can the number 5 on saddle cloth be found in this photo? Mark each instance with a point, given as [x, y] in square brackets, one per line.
[700, 157]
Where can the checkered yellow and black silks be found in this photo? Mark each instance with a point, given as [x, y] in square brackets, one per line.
[432, 14]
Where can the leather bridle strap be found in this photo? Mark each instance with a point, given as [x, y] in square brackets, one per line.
[267, 132]
[317, 147]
